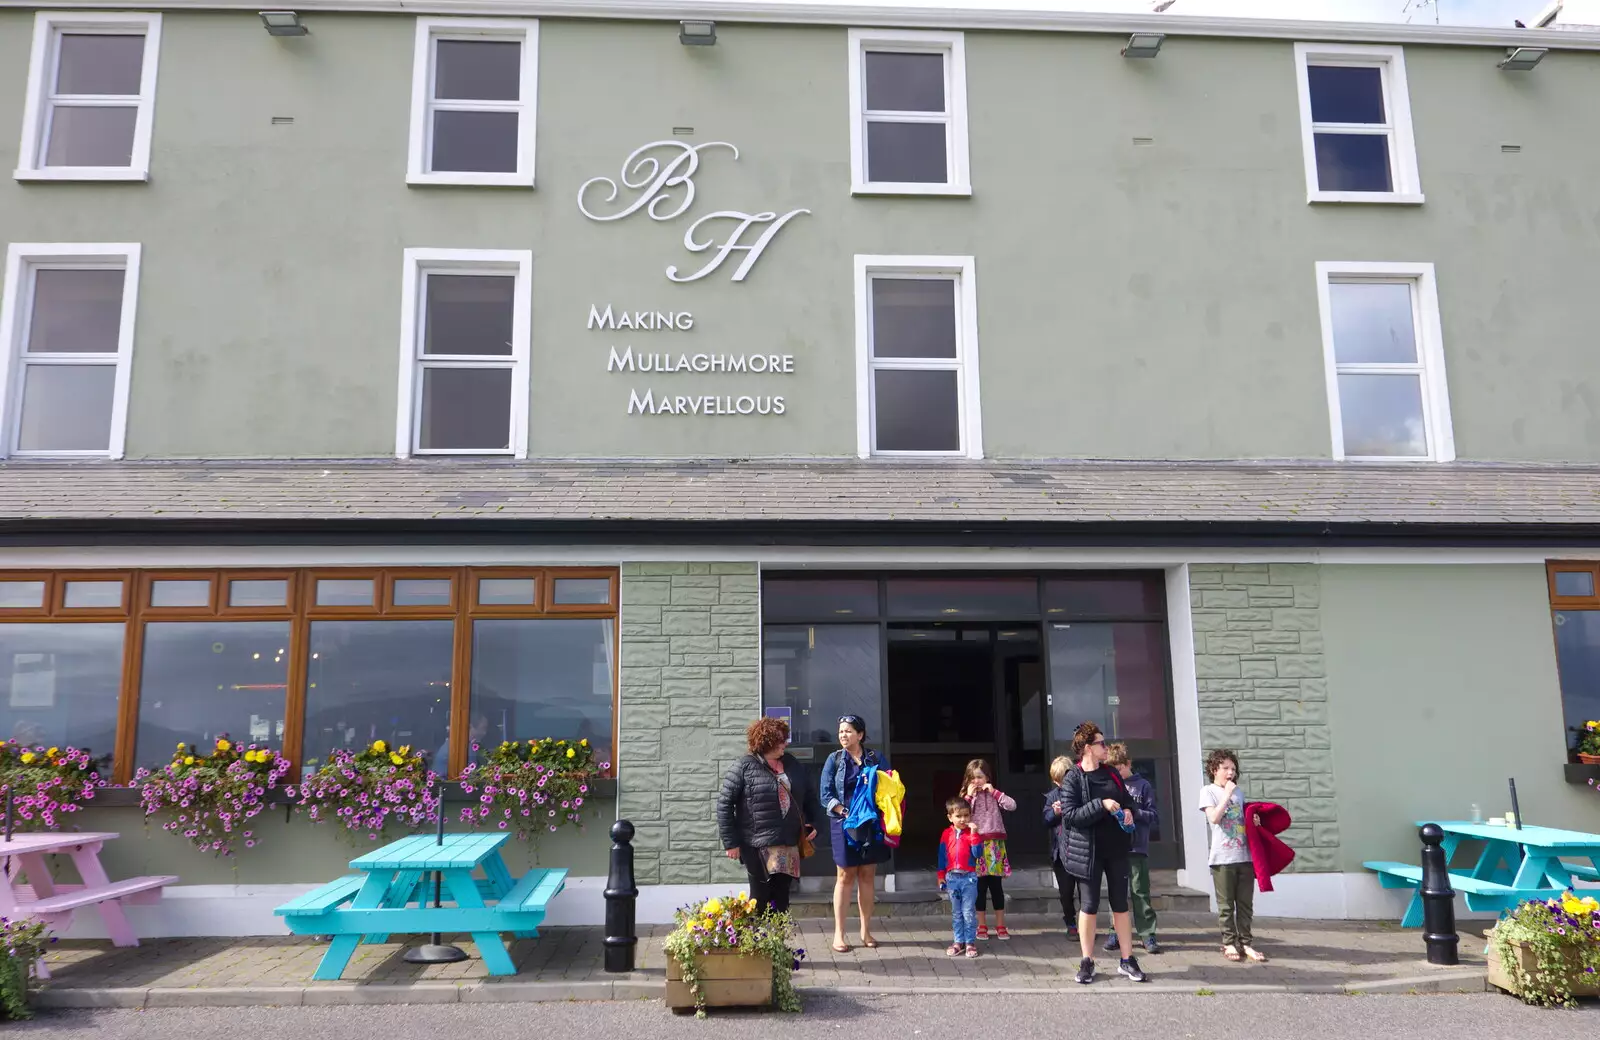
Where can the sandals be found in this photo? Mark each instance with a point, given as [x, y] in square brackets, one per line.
[972, 950]
[1255, 955]
[871, 944]
[955, 950]
[841, 947]
[1231, 953]
[1001, 933]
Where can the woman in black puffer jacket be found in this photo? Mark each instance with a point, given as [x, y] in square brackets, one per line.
[767, 802]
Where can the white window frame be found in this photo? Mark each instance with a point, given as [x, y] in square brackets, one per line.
[525, 30]
[48, 26]
[1429, 336]
[1404, 179]
[423, 261]
[952, 46]
[16, 316]
[962, 270]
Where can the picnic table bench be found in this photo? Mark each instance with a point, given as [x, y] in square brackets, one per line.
[1516, 865]
[371, 905]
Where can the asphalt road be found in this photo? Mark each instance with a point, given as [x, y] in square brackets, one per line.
[1101, 1014]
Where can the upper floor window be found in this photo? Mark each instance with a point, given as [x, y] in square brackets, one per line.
[66, 330]
[90, 98]
[908, 113]
[1355, 124]
[917, 356]
[1384, 357]
[464, 352]
[473, 91]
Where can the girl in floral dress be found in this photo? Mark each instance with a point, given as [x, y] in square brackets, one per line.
[978, 790]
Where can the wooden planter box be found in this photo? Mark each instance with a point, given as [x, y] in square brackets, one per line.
[1501, 977]
[726, 980]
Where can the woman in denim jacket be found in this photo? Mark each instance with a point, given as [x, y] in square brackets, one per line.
[858, 867]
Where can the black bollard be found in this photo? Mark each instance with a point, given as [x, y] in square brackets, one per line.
[1438, 900]
[621, 894]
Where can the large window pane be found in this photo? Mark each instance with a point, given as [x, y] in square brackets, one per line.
[818, 599]
[75, 311]
[821, 672]
[475, 142]
[906, 153]
[465, 409]
[468, 314]
[99, 63]
[66, 407]
[94, 135]
[477, 70]
[1353, 162]
[1578, 659]
[1382, 415]
[913, 318]
[1000, 598]
[377, 680]
[1372, 323]
[916, 411]
[543, 678]
[902, 82]
[1111, 673]
[203, 679]
[1346, 93]
[59, 685]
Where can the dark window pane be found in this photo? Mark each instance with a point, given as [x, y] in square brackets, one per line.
[99, 63]
[66, 407]
[23, 595]
[477, 70]
[344, 592]
[915, 411]
[899, 82]
[468, 314]
[906, 153]
[819, 599]
[1003, 598]
[202, 680]
[475, 142]
[377, 680]
[572, 591]
[59, 685]
[913, 317]
[1574, 583]
[422, 592]
[1353, 162]
[1382, 415]
[1346, 94]
[258, 592]
[1139, 595]
[75, 311]
[1372, 323]
[543, 678]
[93, 136]
[180, 593]
[465, 409]
[1111, 673]
[821, 672]
[101, 595]
[506, 592]
[1578, 660]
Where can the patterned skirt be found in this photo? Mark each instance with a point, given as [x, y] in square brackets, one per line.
[994, 862]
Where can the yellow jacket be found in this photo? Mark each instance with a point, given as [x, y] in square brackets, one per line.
[889, 796]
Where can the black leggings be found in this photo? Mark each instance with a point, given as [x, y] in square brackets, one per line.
[1068, 888]
[769, 891]
[986, 885]
[1119, 876]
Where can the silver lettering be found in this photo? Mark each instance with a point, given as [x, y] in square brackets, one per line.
[623, 363]
[641, 406]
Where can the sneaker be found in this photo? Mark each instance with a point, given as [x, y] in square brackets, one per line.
[1129, 966]
[1001, 933]
[1110, 943]
[1150, 944]
[983, 931]
[1085, 971]
[1072, 933]
[972, 949]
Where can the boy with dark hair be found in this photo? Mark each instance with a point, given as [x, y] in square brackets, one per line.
[1144, 817]
[960, 851]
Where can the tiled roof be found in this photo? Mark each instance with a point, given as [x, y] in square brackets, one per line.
[849, 491]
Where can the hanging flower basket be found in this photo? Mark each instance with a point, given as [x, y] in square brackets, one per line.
[364, 792]
[210, 797]
[530, 786]
[46, 785]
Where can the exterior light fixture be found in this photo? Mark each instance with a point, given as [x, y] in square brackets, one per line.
[1521, 59]
[697, 34]
[283, 23]
[1143, 45]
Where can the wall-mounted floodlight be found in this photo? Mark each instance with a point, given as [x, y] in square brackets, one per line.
[697, 34]
[1521, 59]
[1143, 45]
[283, 23]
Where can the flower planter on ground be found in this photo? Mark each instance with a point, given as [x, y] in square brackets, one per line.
[1547, 951]
[1503, 976]
[726, 980]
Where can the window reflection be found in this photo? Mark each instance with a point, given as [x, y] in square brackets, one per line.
[59, 685]
[543, 678]
[1578, 660]
[1113, 674]
[377, 680]
[821, 672]
[203, 679]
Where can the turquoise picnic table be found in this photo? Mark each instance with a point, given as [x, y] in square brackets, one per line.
[1514, 866]
[380, 899]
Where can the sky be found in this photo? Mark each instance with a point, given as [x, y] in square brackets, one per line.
[1448, 12]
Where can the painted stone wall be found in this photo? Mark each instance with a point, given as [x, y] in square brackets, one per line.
[690, 686]
[1264, 692]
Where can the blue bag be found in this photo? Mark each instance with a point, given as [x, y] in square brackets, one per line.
[861, 828]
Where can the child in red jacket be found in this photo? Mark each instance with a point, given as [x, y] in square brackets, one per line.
[960, 852]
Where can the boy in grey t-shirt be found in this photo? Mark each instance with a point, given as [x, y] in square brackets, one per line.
[1231, 870]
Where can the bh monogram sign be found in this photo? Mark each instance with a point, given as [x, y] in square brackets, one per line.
[661, 176]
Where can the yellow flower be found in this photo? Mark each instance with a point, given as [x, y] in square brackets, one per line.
[570, 752]
[379, 746]
[249, 756]
[28, 757]
[714, 907]
[53, 752]
[584, 742]
[396, 759]
[223, 745]
[188, 760]
[180, 745]
[405, 749]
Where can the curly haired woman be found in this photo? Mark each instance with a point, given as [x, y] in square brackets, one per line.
[766, 804]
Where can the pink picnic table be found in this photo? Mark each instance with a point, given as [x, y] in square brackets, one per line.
[53, 903]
